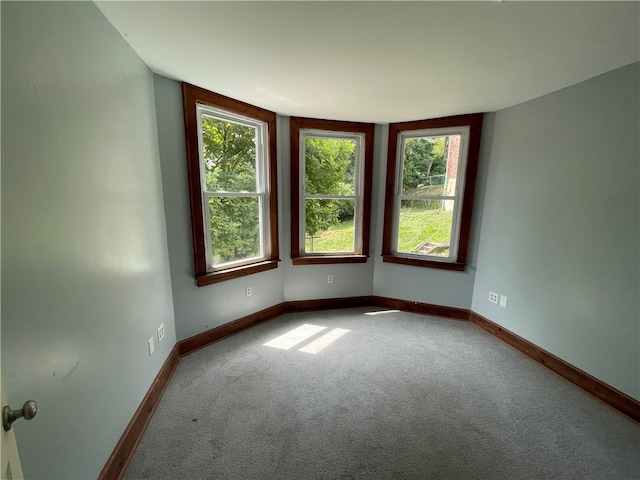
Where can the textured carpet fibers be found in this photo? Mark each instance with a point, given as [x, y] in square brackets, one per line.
[398, 396]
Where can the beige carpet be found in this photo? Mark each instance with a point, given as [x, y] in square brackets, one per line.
[385, 396]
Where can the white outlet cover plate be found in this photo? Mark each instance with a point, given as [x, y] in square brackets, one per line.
[493, 297]
[151, 346]
[160, 332]
[503, 301]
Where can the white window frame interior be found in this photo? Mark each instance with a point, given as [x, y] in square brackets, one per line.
[457, 196]
[358, 187]
[261, 192]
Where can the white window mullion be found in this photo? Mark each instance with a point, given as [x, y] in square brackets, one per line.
[234, 194]
[396, 224]
[206, 219]
[261, 194]
[356, 197]
[452, 199]
[262, 221]
[455, 231]
[358, 174]
[428, 197]
[331, 197]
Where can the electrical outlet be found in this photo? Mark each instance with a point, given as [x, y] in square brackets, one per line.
[151, 346]
[503, 301]
[160, 332]
[329, 278]
[493, 297]
[248, 291]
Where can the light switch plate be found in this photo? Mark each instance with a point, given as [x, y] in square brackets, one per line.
[503, 301]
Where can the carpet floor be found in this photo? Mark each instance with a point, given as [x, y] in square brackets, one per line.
[377, 395]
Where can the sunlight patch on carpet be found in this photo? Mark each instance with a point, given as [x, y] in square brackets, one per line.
[294, 337]
[381, 312]
[324, 341]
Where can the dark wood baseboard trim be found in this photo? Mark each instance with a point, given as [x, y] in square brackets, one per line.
[118, 462]
[204, 339]
[115, 467]
[201, 340]
[605, 393]
[422, 308]
[328, 303]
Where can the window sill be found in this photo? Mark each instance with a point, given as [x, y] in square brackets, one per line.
[328, 259]
[418, 262]
[236, 272]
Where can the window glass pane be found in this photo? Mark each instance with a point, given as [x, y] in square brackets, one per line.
[425, 227]
[329, 166]
[329, 226]
[229, 155]
[234, 228]
[430, 165]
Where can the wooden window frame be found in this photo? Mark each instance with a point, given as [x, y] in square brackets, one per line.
[361, 252]
[193, 96]
[474, 122]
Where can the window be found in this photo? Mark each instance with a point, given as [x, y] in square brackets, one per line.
[431, 171]
[331, 168]
[231, 159]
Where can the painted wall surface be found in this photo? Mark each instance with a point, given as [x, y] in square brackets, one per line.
[560, 235]
[85, 271]
[306, 282]
[420, 284]
[198, 309]
[97, 248]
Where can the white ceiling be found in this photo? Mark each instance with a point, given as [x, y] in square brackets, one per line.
[380, 61]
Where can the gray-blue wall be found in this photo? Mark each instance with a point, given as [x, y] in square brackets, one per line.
[97, 249]
[85, 272]
[304, 282]
[419, 284]
[560, 225]
[202, 308]
[198, 308]
[556, 209]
